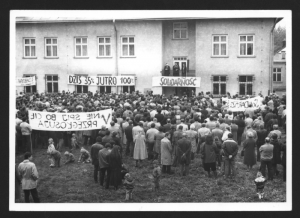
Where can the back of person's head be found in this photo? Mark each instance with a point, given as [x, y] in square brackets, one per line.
[140, 124]
[27, 155]
[152, 125]
[107, 145]
[203, 125]
[184, 135]
[167, 134]
[275, 126]
[168, 121]
[261, 126]
[217, 125]
[211, 118]
[209, 139]
[267, 140]
[24, 119]
[161, 129]
[230, 135]
[130, 122]
[112, 123]
[274, 136]
[247, 115]
[99, 139]
[259, 174]
[114, 133]
[107, 132]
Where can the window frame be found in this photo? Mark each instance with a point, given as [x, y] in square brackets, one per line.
[98, 44]
[246, 42]
[52, 81]
[276, 73]
[31, 87]
[247, 82]
[180, 29]
[30, 45]
[219, 42]
[128, 43]
[51, 45]
[219, 82]
[81, 44]
[86, 75]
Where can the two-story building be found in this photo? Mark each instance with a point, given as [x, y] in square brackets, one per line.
[229, 55]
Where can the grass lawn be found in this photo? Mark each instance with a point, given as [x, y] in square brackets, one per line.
[74, 183]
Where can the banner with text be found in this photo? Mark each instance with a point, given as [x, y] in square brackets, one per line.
[26, 81]
[176, 81]
[69, 121]
[241, 105]
[101, 80]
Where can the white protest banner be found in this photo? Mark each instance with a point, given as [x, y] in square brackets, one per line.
[26, 81]
[101, 80]
[241, 105]
[69, 121]
[176, 81]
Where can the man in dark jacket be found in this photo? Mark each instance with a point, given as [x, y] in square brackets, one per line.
[94, 155]
[241, 127]
[167, 70]
[176, 70]
[104, 165]
[167, 127]
[184, 154]
[160, 117]
[276, 153]
[129, 137]
[230, 149]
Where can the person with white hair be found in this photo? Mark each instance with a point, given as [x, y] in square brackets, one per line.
[249, 151]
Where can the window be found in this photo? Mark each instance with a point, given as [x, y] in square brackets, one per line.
[81, 88]
[81, 47]
[105, 89]
[29, 47]
[276, 74]
[180, 30]
[219, 85]
[246, 84]
[246, 45]
[51, 47]
[283, 54]
[52, 83]
[104, 47]
[127, 46]
[128, 89]
[220, 45]
[30, 89]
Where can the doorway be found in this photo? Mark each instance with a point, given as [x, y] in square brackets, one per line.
[182, 63]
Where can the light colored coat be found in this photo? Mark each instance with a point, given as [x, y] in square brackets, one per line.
[140, 150]
[166, 151]
[29, 175]
[192, 136]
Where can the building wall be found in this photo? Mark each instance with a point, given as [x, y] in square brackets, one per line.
[280, 86]
[148, 47]
[232, 66]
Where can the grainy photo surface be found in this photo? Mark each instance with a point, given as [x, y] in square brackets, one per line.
[139, 108]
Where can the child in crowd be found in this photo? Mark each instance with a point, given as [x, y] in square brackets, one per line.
[70, 157]
[85, 156]
[124, 171]
[260, 184]
[55, 154]
[129, 185]
[74, 142]
[50, 149]
[156, 175]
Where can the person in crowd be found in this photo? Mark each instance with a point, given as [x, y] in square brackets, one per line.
[275, 131]
[261, 135]
[56, 156]
[225, 134]
[176, 137]
[230, 149]
[84, 156]
[94, 155]
[234, 129]
[176, 70]
[140, 150]
[266, 156]
[137, 129]
[166, 154]
[18, 184]
[104, 165]
[211, 124]
[26, 134]
[192, 136]
[115, 166]
[196, 124]
[74, 142]
[277, 145]
[129, 186]
[184, 154]
[208, 153]
[157, 146]
[160, 117]
[107, 138]
[124, 125]
[156, 173]
[87, 134]
[241, 127]
[260, 181]
[50, 149]
[129, 139]
[167, 126]
[102, 131]
[69, 157]
[116, 141]
[217, 132]
[184, 126]
[167, 70]
[249, 151]
[29, 177]
[150, 134]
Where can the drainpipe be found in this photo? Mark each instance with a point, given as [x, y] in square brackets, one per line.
[271, 57]
[116, 48]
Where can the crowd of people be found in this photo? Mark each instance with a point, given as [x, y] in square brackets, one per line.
[168, 131]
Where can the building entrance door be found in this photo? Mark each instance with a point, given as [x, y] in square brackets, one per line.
[181, 91]
[182, 63]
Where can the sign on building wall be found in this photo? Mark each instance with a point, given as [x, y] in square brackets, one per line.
[26, 81]
[241, 105]
[69, 121]
[176, 81]
[101, 80]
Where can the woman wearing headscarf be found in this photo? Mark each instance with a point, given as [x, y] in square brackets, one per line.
[249, 149]
[208, 153]
[140, 150]
[115, 166]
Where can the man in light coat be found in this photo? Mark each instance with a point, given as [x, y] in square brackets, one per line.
[166, 154]
[29, 175]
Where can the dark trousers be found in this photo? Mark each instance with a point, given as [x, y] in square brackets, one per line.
[268, 164]
[284, 171]
[26, 143]
[150, 150]
[129, 149]
[166, 169]
[96, 172]
[102, 175]
[34, 195]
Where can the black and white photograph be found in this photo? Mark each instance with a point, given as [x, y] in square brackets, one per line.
[150, 110]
